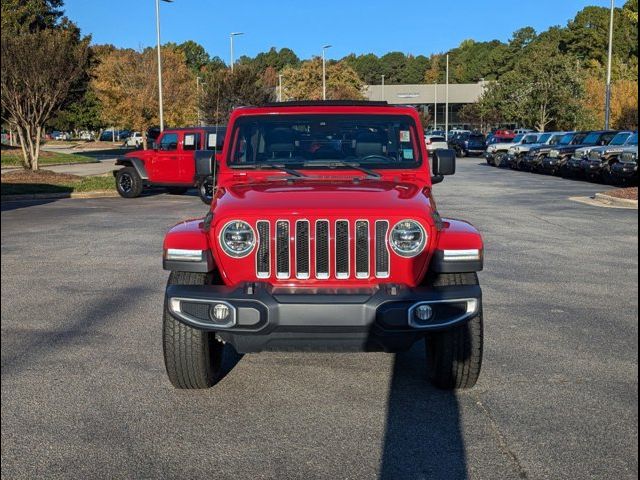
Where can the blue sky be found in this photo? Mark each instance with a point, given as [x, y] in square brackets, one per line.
[358, 26]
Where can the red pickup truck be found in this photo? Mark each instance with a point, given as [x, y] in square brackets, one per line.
[170, 163]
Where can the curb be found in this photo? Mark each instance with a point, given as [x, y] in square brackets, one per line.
[58, 196]
[617, 202]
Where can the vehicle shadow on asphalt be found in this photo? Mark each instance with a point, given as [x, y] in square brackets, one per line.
[423, 437]
[8, 205]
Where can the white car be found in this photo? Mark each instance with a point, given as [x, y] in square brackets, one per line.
[435, 142]
[135, 140]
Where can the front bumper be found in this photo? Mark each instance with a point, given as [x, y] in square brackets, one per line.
[592, 167]
[262, 318]
[625, 170]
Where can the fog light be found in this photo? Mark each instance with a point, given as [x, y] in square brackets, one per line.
[220, 312]
[423, 313]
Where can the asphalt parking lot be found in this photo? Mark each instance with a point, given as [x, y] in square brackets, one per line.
[84, 392]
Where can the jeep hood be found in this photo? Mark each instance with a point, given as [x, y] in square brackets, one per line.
[366, 199]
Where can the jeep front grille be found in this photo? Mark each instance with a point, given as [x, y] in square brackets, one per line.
[322, 249]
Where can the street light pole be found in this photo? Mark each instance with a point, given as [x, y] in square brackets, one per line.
[607, 107]
[435, 107]
[231, 35]
[324, 72]
[280, 88]
[446, 111]
[383, 88]
[160, 105]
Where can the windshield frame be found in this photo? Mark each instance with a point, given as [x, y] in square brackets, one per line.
[302, 163]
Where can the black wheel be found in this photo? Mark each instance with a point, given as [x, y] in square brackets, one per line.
[454, 357]
[177, 190]
[193, 358]
[205, 190]
[128, 182]
[463, 153]
[499, 159]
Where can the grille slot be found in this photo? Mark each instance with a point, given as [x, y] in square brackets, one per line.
[263, 263]
[322, 249]
[382, 252]
[283, 269]
[342, 249]
[302, 249]
[362, 249]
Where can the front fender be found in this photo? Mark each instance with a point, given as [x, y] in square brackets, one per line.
[459, 249]
[135, 163]
[182, 244]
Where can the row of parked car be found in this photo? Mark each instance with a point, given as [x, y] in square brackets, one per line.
[606, 156]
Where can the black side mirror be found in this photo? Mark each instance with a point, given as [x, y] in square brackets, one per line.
[204, 163]
[443, 163]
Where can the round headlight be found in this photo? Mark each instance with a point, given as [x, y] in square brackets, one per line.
[408, 238]
[237, 239]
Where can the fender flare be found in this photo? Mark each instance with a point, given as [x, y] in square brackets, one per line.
[135, 163]
[189, 235]
[459, 248]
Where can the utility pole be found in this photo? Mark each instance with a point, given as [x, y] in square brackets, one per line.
[607, 112]
[446, 112]
[383, 88]
[280, 88]
[435, 107]
[324, 71]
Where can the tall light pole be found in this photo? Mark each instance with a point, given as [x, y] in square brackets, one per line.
[435, 107]
[446, 109]
[160, 105]
[231, 36]
[280, 88]
[607, 102]
[324, 71]
[383, 88]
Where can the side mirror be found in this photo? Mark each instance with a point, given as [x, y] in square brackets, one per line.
[204, 163]
[443, 163]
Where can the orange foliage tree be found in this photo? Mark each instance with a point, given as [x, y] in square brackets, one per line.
[126, 83]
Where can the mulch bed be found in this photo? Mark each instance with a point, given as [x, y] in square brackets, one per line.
[40, 176]
[624, 193]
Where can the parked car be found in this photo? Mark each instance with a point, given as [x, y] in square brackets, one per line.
[170, 163]
[468, 144]
[531, 159]
[516, 154]
[312, 244]
[625, 170]
[435, 142]
[134, 140]
[522, 131]
[56, 135]
[573, 165]
[597, 165]
[496, 154]
[500, 136]
[108, 135]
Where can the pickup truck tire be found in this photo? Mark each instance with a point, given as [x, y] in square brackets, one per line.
[128, 182]
[177, 190]
[193, 358]
[454, 357]
[499, 159]
[205, 190]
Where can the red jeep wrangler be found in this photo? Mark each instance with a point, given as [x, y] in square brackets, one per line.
[170, 163]
[323, 234]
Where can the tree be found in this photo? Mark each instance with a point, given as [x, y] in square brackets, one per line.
[305, 83]
[225, 90]
[126, 84]
[38, 71]
[83, 114]
[195, 55]
[29, 16]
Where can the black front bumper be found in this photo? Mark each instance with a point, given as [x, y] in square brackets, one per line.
[377, 319]
[625, 170]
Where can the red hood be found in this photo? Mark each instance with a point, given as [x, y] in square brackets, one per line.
[366, 199]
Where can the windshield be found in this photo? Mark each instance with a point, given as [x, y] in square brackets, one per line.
[633, 140]
[529, 139]
[518, 138]
[544, 138]
[567, 139]
[620, 139]
[312, 141]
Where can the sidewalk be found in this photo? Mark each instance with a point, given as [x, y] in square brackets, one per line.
[81, 169]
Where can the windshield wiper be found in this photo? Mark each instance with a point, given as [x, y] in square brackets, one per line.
[265, 166]
[341, 163]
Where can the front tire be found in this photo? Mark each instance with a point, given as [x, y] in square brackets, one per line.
[193, 358]
[128, 182]
[454, 357]
[499, 160]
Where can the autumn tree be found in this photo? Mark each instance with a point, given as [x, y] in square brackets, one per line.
[305, 83]
[126, 84]
[38, 71]
[225, 90]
